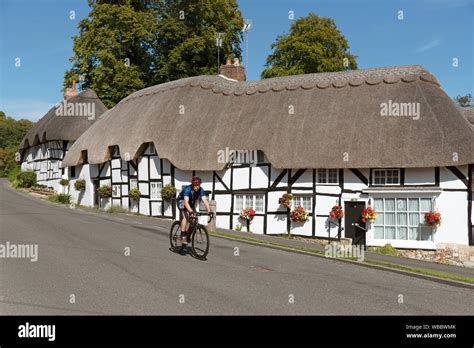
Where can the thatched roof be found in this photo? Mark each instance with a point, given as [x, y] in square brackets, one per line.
[67, 126]
[337, 122]
[468, 113]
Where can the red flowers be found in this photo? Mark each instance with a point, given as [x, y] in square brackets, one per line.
[247, 214]
[286, 199]
[369, 214]
[299, 214]
[433, 219]
[336, 212]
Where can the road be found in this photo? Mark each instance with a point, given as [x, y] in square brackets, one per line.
[82, 253]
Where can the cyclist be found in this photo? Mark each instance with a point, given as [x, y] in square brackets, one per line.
[187, 200]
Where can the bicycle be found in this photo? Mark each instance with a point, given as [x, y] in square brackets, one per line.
[197, 236]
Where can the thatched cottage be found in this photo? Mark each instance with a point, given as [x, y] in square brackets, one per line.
[44, 146]
[388, 138]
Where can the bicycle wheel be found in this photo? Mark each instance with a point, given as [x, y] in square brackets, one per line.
[175, 234]
[200, 242]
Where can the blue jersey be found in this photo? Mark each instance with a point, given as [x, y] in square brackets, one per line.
[194, 196]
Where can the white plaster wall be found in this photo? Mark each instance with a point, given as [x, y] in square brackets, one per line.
[453, 208]
[419, 176]
[259, 177]
[449, 180]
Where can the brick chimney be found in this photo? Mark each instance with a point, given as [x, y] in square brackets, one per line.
[233, 71]
[70, 92]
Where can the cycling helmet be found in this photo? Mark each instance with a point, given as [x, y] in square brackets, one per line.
[196, 180]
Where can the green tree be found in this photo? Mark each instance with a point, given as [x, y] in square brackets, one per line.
[126, 45]
[313, 45]
[12, 131]
[464, 100]
[186, 37]
[113, 53]
[11, 134]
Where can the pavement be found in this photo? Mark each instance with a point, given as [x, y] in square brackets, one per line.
[84, 268]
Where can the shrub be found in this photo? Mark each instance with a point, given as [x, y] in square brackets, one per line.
[64, 182]
[168, 192]
[26, 179]
[105, 191]
[134, 193]
[387, 249]
[60, 198]
[80, 185]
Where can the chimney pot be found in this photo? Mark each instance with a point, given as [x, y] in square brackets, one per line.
[236, 61]
[70, 92]
[233, 71]
[227, 62]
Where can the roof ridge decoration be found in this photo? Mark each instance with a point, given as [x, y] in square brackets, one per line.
[339, 79]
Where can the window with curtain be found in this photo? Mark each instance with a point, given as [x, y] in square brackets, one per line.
[402, 218]
[255, 202]
[304, 201]
[327, 176]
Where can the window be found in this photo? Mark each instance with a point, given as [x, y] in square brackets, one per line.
[133, 183]
[402, 218]
[249, 201]
[386, 176]
[116, 191]
[304, 201]
[151, 149]
[327, 176]
[155, 190]
[73, 172]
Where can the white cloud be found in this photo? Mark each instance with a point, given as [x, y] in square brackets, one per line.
[32, 110]
[428, 46]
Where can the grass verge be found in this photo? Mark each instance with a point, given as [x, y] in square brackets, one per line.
[424, 271]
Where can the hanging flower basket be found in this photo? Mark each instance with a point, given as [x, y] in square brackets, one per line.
[299, 214]
[105, 191]
[247, 214]
[80, 185]
[336, 212]
[369, 214]
[433, 218]
[134, 194]
[286, 200]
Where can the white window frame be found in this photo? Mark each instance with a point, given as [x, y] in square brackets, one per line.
[249, 200]
[133, 183]
[421, 226]
[116, 190]
[155, 193]
[385, 171]
[326, 172]
[298, 199]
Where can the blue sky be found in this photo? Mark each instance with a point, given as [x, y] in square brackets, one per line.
[432, 33]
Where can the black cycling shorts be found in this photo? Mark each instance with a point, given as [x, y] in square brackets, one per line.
[184, 211]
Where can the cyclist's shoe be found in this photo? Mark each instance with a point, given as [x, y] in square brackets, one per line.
[184, 238]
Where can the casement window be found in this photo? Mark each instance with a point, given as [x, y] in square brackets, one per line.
[155, 190]
[402, 218]
[133, 183]
[304, 201]
[327, 176]
[386, 177]
[249, 201]
[72, 172]
[115, 151]
[116, 190]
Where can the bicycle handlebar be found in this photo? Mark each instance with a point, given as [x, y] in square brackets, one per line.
[211, 215]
